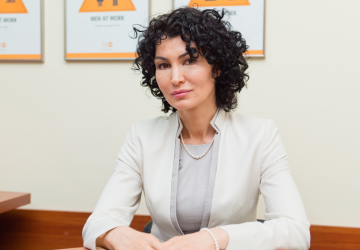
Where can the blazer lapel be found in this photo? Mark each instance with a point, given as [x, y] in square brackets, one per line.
[218, 124]
[174, 179]
[216, 170]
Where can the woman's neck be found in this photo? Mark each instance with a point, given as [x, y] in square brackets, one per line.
[196, 125]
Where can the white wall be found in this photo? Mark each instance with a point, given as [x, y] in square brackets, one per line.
[62, 124]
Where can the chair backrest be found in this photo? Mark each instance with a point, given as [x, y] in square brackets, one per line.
[148, 226]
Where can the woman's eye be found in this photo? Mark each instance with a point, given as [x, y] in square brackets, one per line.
[163, 66]
[189, 61]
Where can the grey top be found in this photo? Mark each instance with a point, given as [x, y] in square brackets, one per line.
[193, 180]
[202, 206]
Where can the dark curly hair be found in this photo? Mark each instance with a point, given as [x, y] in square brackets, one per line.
[222, 47]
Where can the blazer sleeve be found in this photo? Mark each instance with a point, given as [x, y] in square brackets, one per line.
[121, 197]
[286, 225]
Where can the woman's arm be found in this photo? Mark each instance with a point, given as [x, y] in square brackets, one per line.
[121, 196]
[221, 236]
[286, 225]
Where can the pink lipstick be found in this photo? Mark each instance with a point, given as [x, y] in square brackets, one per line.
[180, 93]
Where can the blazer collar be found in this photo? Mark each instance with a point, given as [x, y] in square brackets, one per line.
[217, 122]
[219, 119]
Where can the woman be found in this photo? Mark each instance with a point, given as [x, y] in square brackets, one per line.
[202, 166]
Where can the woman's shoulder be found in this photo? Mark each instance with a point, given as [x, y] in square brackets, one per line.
[251, 125]
[246, 120]
[156, 124]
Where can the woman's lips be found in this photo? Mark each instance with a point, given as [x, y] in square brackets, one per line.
[180, 93]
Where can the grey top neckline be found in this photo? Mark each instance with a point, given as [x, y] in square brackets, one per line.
[193, 180]
[175, 192]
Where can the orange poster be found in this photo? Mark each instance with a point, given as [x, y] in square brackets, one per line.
[245, 16]
[21, 30]
[12, 7]
[216, 3]
[102, 29]
[107, 5]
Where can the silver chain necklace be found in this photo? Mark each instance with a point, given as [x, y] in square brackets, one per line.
[193, 156]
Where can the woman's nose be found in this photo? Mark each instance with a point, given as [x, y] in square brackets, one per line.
[177, 75]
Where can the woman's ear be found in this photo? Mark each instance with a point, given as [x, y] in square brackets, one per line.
[216, 73]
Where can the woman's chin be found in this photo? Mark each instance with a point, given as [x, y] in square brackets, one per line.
[183, 104]
[181, 107]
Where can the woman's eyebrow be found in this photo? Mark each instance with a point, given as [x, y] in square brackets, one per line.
[186, 53]
[160, 57]
[163, 58]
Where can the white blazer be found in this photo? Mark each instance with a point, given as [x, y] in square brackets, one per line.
[251, 160]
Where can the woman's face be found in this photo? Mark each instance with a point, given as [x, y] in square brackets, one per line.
[185, 83]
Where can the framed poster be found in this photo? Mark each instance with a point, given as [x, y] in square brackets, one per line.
[21, 30]
[102, 29]
[246, 16]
